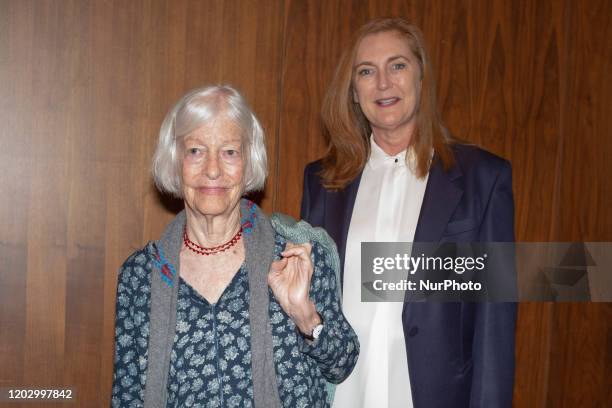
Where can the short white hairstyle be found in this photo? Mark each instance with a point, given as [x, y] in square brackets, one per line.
[194, 110]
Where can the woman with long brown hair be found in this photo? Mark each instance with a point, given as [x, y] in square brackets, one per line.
[392, 172]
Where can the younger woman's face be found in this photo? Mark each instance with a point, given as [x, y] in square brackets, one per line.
[387, 82]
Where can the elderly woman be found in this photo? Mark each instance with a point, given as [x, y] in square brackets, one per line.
[224, 311]
[393, 173]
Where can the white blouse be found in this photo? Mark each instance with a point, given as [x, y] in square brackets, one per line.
[387, 208]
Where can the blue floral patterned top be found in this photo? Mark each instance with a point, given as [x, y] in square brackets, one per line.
[210, 361]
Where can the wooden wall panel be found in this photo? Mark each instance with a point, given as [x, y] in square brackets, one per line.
[581, 351]
[85, 85]
[307, 66]
[13, 231]
[584, 193]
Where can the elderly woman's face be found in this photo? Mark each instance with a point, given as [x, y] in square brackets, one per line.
[213, 168]
[387, 81]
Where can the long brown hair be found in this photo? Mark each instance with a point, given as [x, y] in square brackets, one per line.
[347, 128]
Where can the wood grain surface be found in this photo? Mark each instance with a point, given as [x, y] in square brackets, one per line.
[84, 86]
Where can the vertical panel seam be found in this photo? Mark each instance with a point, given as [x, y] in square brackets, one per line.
[279, 105]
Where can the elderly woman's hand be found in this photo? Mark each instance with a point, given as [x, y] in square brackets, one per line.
[289, 279]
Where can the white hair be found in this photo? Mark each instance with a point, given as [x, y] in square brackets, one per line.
[194, 110]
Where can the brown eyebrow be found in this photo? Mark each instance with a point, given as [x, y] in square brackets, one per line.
[390, 59]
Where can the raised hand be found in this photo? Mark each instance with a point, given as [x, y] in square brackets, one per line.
[289, 279]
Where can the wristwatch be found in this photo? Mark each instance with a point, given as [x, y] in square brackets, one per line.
[316, 331]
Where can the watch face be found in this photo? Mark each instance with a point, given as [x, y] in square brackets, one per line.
[317, 331]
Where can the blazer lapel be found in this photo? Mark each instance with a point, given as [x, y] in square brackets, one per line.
[338, 211]
[442, 195]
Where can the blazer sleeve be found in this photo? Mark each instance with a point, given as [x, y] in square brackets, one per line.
[493, 341]
[305, 206]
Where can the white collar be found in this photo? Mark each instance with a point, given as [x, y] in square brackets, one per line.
[378, 157]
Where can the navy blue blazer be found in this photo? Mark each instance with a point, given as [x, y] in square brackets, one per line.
[459, 354]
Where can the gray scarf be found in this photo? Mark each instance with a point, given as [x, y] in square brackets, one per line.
[259, 244]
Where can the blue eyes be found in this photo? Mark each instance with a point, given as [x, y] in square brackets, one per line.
[398, 66]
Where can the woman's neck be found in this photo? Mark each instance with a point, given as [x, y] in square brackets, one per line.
[393, 141]
[212, 230]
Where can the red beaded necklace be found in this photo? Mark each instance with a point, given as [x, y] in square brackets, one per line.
[214, 250]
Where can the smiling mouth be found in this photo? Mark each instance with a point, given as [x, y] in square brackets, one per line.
[212, 190]
[387, 101]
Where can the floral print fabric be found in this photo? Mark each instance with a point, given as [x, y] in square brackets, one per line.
[210, 361]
